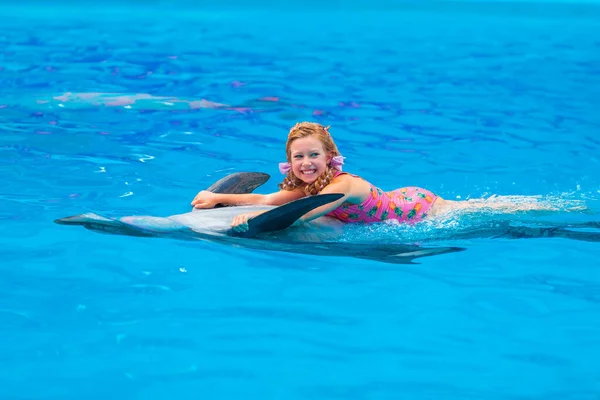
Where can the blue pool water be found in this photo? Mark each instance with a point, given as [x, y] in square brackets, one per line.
[466, 99]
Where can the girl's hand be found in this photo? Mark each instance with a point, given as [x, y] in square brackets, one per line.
[240, 222]
[205, 199]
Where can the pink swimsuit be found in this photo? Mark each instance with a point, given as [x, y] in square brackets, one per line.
[408, 204]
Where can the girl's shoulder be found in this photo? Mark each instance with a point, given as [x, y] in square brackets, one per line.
[358, 188]
[346, 176]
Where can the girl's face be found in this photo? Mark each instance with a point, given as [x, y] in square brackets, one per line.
[308, 158]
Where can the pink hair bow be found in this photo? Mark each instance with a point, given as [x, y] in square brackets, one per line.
[284, 167]
[336, 162]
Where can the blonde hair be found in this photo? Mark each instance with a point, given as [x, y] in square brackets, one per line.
[302, 130]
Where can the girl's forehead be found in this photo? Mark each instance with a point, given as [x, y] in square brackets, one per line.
[305, 142]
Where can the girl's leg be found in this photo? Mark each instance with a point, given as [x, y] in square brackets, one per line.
[494, 204]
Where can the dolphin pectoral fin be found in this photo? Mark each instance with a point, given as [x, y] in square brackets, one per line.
[284, 216]
[239, 183]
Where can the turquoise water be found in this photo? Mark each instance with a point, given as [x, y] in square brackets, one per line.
[467, 101]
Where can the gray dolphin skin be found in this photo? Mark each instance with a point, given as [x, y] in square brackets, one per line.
[275, 229]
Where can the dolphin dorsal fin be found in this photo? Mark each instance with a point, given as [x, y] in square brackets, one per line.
[239, 183]
[284, 216]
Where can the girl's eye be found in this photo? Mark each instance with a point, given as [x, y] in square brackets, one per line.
[314, 154]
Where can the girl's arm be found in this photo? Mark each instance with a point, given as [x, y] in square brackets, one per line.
[206, 199]
[355, 190]
[342, 186]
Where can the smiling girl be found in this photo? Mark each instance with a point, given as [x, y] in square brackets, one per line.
[314, 166]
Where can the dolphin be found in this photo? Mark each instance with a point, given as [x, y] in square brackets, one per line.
[276, 228]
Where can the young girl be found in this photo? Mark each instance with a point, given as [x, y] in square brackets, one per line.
[315, 167]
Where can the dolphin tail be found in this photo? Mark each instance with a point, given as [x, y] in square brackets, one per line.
[388, 253]
[588, 232]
